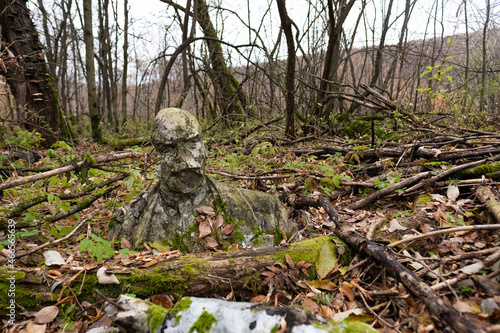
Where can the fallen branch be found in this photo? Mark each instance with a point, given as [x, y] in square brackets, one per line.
[43, 175]
[487, 197]
[446, 231]
[413, 284]
[388, 190]
[53, 242]
[450, 172]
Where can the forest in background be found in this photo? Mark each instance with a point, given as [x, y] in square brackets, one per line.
[340, 47]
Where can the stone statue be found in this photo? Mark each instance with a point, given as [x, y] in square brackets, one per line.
[169, 209]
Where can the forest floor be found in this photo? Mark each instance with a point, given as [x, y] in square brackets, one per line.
[432, 204]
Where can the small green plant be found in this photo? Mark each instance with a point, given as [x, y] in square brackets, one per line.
[466, 290]
[97, 247]
[400, 214]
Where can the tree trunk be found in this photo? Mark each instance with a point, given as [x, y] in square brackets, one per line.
[332, 52]
[125, 60]
[483, 70]
[88, 36]
[286, 25]
[27, 73]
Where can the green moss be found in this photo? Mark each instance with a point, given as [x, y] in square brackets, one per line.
[156, 315]
[276, 328]
[307, 250]
[204, 322]
[181, 305]
[23, 296]
[422, 199]
[480, 170]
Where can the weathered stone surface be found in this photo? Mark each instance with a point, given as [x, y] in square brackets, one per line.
[169, 209]
[192, 314]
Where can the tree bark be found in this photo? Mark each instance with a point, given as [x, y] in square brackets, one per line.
[88, 36]
[27, 73]
[286, 25]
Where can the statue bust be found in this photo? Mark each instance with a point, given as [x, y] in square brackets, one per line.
[170, 208]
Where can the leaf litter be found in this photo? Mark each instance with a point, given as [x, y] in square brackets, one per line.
[358, 289]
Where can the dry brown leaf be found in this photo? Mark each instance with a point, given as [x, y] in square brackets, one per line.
[162, 300]
[205, 229]
[126, 244]
[289, 261]
[282, 325]
[258, 299]
[326, 311]
[310, 304]
[126, 261]
[227, 230]
[46, 315]
[207, 210]
[218, 222]
[233, 248]
[346, 290]
[274, 269]
[210, 242]
[149, 263]
[33, 327]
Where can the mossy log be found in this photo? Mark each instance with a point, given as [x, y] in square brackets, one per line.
[190, 275]
[486, 196]
[489, 170]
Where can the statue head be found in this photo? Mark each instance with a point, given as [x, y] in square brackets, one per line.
[178, 138]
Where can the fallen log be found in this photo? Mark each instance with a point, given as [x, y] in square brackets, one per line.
[486, 196]
[199, 275]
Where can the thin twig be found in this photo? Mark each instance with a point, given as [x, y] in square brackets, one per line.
[54, 242]
[447, 230]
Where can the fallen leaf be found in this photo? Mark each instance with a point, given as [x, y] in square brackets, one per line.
[159, 246]
[344, 315]
[394, 225]
[227, 230]
[347, 291]
[233, 248]
[210, 242]
[366, 293]
[205, 229]
[46, 315]
[258, 299]
[218, 222]
[310, 304]
[327, 260]
[323, 285]
[126, 261]
[282, 325]
[207, 210]
[462, 306]
[162, 300]
[289, 261]
[33, 327]
[125, 244]
[149, 263]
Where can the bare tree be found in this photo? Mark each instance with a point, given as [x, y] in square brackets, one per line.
[95, 118]
[27, 73]
[286, 25]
